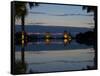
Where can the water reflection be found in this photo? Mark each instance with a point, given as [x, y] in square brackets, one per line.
[47, 41]
[50, 41]
[47, 55]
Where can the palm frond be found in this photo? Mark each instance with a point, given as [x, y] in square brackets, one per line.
[89, 8]
[33, 4]
[20, 9]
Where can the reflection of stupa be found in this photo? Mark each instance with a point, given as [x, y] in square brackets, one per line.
[65, 41]
[47, 41]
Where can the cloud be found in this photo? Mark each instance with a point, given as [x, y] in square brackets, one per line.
[76, 14]
[37, 12]
[37, 23]
[90, 23]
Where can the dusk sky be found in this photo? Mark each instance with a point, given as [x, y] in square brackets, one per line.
[58, 15]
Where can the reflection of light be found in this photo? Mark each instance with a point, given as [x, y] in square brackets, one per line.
[22, 38]
[65, 41]
[47, 41]
[22, 42]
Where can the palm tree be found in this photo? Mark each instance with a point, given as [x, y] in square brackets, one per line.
[21, 12]
[94, 10]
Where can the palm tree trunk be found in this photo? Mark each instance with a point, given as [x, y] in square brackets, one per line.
[23, 45]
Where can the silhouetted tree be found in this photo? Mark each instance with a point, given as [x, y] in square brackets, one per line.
[20, 68]
[94, 10]
[86, 38]
[20, 12]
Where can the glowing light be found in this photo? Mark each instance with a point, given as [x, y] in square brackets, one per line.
[69, 38]
[22, 38]
[65, 36]
[47, 36]
[22, 35]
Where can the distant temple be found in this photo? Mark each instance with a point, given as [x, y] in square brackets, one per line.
[23, 38]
